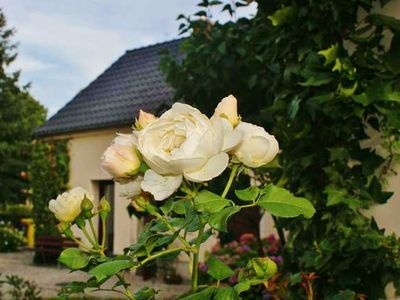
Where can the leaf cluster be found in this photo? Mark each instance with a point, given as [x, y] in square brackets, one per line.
[323, 77]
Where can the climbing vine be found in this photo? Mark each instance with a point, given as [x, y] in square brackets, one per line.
[323, 76]
[49, 174]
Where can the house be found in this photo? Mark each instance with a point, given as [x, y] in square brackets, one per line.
[90, 120]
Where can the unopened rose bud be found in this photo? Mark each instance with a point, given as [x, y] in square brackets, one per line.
[227, 109]
[121, 159]
[263, 267]
[86, 204]
[141, 202]
[144, 119]
[104, 207]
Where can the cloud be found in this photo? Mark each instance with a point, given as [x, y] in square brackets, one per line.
[30, 64]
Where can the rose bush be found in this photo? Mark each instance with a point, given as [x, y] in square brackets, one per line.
[172, 158]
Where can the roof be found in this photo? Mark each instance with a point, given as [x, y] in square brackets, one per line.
[114, 98]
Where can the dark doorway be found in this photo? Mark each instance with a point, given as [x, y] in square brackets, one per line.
[106, 189]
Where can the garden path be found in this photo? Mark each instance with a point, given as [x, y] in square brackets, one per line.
[50, 278]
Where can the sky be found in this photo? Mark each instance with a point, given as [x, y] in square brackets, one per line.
[63, 45]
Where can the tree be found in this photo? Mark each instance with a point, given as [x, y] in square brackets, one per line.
[20, 114]
[318, 76]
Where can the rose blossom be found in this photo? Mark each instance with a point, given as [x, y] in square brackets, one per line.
[67, 206]
[183, 142]
[257, 147]
[121, 159]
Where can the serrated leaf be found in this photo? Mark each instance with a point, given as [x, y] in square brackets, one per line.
[218, 269]
[281, 203]
[210, 202]
[220, 219]
[74, 259]
[249, 194]
[283, 15]
[205, 294]
[329, 54]
[226, 293]
[107, 269]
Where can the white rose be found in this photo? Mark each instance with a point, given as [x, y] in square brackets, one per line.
[257, 147]
[67, 206]
[144, 119]
[183, 142]
[132, 188]
[121, 159]
[227, 109]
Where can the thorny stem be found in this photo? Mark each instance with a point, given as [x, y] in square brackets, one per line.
[230, 180]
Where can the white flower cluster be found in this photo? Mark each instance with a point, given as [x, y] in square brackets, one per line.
[184, 143]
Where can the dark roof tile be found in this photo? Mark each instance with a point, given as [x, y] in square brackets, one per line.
[131, 83]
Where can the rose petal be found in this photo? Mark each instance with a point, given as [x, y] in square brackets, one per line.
[214, 167]
[161, 187]
[232, 137]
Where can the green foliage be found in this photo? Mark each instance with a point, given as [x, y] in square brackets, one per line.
[319, 78]
[217, 269]
[74, 259]
[10, 237]
[20, 114]
[49, 170]
[15, 288]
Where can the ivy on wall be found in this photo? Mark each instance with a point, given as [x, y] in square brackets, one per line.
[317, 74]
[49, 173]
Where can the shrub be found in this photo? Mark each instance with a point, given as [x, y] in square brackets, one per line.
[10, 237]
[16, 288]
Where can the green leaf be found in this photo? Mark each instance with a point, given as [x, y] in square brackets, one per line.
[249, 194]
[210, 202]
[347, 91]
[392, 57]
[316, 81]
[329, 54]
[205, 294]
[74, 259]
[283, 15]
[226, 293]
[281, 203]
[220, 219]
[145, 293]
[110, 268]
[339, 196]
[217, 269]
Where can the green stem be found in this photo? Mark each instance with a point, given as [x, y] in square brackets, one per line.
[161, 253]
[127, 292]
[230, 180]
[93, 232]
[195, 263]
[82, 244]
[172, 229]
[104, 232]
[89, 238]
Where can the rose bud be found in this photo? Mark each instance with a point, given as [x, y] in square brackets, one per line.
[67, 206]
[227, 109]
[121, 159]
[144, 119]
[257, 148]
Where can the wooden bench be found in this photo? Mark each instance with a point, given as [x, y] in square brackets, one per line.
[48, 248]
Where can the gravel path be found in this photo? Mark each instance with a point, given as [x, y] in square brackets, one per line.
[50, 278]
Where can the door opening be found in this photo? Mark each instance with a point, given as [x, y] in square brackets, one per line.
[106, 189]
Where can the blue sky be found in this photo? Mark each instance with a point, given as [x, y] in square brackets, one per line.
[65, 44]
